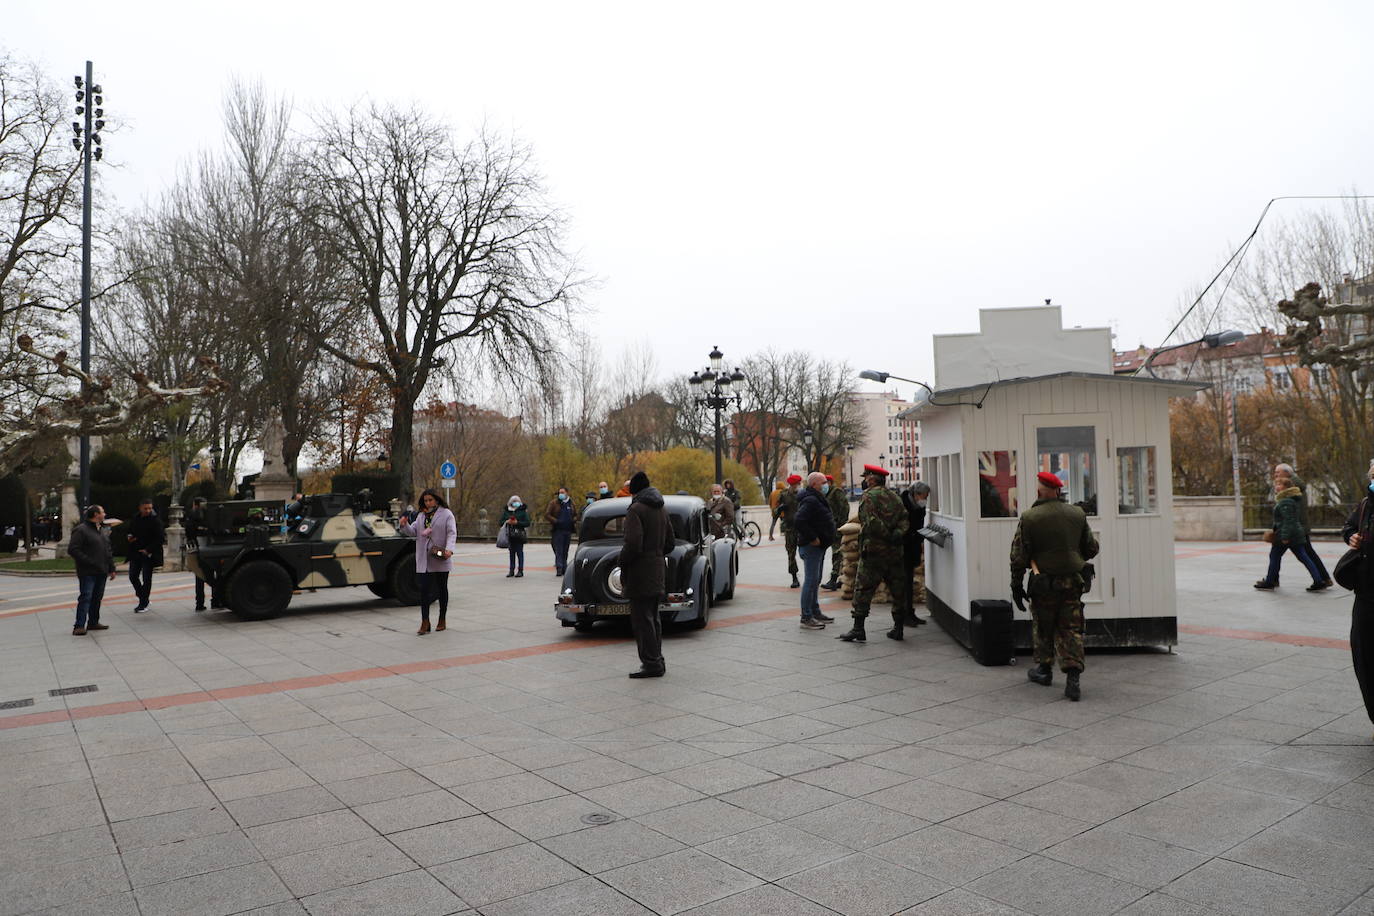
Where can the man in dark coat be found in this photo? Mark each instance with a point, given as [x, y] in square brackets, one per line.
[648, 539]
[196, 527]
[913, 545]
[146, 537]
[815, 531]
[94, 557]
[561, 515]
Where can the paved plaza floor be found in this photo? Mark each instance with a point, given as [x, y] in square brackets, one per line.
[331, 762]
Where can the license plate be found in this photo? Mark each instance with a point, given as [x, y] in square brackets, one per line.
[613, 610]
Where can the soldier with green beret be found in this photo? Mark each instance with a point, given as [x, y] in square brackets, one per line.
[786, 511]
[1054, 542]
[882, 526]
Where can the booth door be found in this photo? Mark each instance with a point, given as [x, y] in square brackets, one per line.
[1074, 447]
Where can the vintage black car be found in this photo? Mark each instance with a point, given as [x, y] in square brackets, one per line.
[701, 569]
[259, 560]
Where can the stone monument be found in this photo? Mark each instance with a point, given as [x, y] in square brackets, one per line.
[274, 483]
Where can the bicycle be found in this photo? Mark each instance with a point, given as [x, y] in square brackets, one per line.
[746, 532]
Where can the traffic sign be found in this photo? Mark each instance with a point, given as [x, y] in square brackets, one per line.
[447, 483]
[448, 470]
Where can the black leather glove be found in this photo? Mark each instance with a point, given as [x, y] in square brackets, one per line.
[1018, 595]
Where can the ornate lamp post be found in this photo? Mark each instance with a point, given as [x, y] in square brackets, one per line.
[86, 141]
[808, 437]
[849, 484]
[717, 382]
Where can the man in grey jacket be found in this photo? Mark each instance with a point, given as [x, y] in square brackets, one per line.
[90, 549]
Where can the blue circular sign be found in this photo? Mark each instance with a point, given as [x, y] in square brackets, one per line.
[448, 470]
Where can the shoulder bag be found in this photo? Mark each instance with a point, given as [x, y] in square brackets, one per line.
[1349, 569]
[503, 537]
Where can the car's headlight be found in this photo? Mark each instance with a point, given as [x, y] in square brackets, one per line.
[614, 585]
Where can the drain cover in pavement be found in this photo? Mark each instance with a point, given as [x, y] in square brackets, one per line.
[597, 818]
[68, 691]
[16, 704]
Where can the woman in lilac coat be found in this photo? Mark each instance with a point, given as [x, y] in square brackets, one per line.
[435, 535]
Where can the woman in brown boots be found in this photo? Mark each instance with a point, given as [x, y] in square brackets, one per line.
[435, 536]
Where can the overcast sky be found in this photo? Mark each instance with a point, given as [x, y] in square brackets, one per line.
[844, 178]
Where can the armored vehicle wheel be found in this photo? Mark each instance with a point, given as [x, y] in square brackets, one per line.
[258, 589]
[380, 589]
[405, 588]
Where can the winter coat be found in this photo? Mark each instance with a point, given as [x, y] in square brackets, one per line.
[913, 544]
[882, 523]
[522, 521]
[555, 509]
[813, 521]
[1287, 518]
[90, 548]
[443, 534]
[722, 514]
[648, 539]
[1054, 538]
[145, 532]
[1362, 521]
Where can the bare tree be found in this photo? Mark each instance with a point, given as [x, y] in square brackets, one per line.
[447, 251]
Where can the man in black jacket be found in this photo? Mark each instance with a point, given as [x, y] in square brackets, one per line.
[648, 539]
[94, 557]
[196, 528]
[913, 546]
[146, 538]
[814, 528]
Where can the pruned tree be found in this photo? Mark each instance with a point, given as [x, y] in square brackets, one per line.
[448, 251]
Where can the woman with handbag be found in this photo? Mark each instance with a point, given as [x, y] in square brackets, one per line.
[435, 536]
[516, 522]
[1354, 570]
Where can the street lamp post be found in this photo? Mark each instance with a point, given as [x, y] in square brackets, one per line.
[717, 382]
[215, 452]
[849, 484]
[87, 143]
[808, 437]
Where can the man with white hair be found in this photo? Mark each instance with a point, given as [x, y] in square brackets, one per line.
[1286, 473]
[814, 529]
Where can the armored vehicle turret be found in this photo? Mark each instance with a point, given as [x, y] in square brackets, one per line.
[263, 552]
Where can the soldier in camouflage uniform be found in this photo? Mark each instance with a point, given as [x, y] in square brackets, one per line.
[838, 500]
[883, 524]
[786, 510]
[1054, 542]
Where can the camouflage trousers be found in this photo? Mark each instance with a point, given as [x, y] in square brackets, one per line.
[789, 538]
[1057, 624]
[836, 560]
[875, 568]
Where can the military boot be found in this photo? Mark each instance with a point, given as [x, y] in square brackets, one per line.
[1071, 686]
[896, 633]
[832, 584]
[856, 634]
[1041, 674]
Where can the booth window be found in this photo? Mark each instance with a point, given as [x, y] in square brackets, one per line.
[932, 475]
[1070, 453]
[997, 484]
[956, 488]
[1136, 475]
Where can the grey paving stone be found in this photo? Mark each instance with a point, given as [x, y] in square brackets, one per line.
[861, 885]
[416, 893]
[121, 904]
[928, 800]
[1231, 887]
[782, 798]
[484, 879]
[57, 819]
[961, 903]
[550, 817]
[1308, 859]
[857, 824]
[788, 759]
[38, 885]
[216, 893]
[156, 864]
[323, 869]
[466, 770]
[121, 806]
[232, 788]
[666, 755]
[702, 821]
[160, 829]
[1047, 887]
[1158, 904]
[284, 908]
[1083, 803]
[990, 779]
[584, 897]
[56, 848]
[282, 806]
[602, 848]
[354, 766]
[411, 811]
[716, 777]
[766, 900]
[380, 787]
[1139, 860]
[456, 839]
[950, 855]
[592, 773]
[1331, 825]
[285, 838]
[678, 881]
[774, 851]
[507, 791]
[852, 778]
[1181, 826]
[641, 796]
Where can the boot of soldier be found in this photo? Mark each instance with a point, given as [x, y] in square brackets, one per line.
[896, 633]
[795, 583]
[831, 584]
[856, 634]
[1041, 674]
[1071, 686]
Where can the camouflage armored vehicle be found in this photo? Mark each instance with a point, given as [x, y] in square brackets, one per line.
[260, 562]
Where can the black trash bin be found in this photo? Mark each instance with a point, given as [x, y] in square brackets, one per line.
[990, 631]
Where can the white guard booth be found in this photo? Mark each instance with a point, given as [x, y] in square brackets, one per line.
[1025, 395]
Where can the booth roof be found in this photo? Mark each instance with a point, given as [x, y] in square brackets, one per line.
[970, 395]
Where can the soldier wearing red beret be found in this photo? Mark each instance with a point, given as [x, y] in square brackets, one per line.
[1054, 542]
[786, 510]
[882, 528]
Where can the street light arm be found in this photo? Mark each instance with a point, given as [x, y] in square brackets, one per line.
[1210, 341]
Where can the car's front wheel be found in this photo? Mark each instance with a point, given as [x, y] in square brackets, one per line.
[703, 599]
[259, 589]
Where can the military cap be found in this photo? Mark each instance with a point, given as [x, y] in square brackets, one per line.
[830, 477]
[794, 478]
[1049, 480]
[875, 469]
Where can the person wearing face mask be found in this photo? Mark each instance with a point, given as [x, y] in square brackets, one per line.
[562, 518]
[517, 522]
[721, 511]
[914, 499]
[1358, 534]
[603, 490]
[786, 510]
[838, 501]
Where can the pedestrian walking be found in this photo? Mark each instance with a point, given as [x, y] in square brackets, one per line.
[882, 525]
[1293, 480]
[721, 511]
[648, 539]
[838, 501]
[93, 554]
[1287, 533]
[1054, 542]
[436, 534]
[146, 538]
[786, 510]
[561, 515]
[1358, 534]
[815, 532]
[517, 522]
[197, 527]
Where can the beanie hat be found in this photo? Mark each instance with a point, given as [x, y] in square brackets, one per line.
[639, 482]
